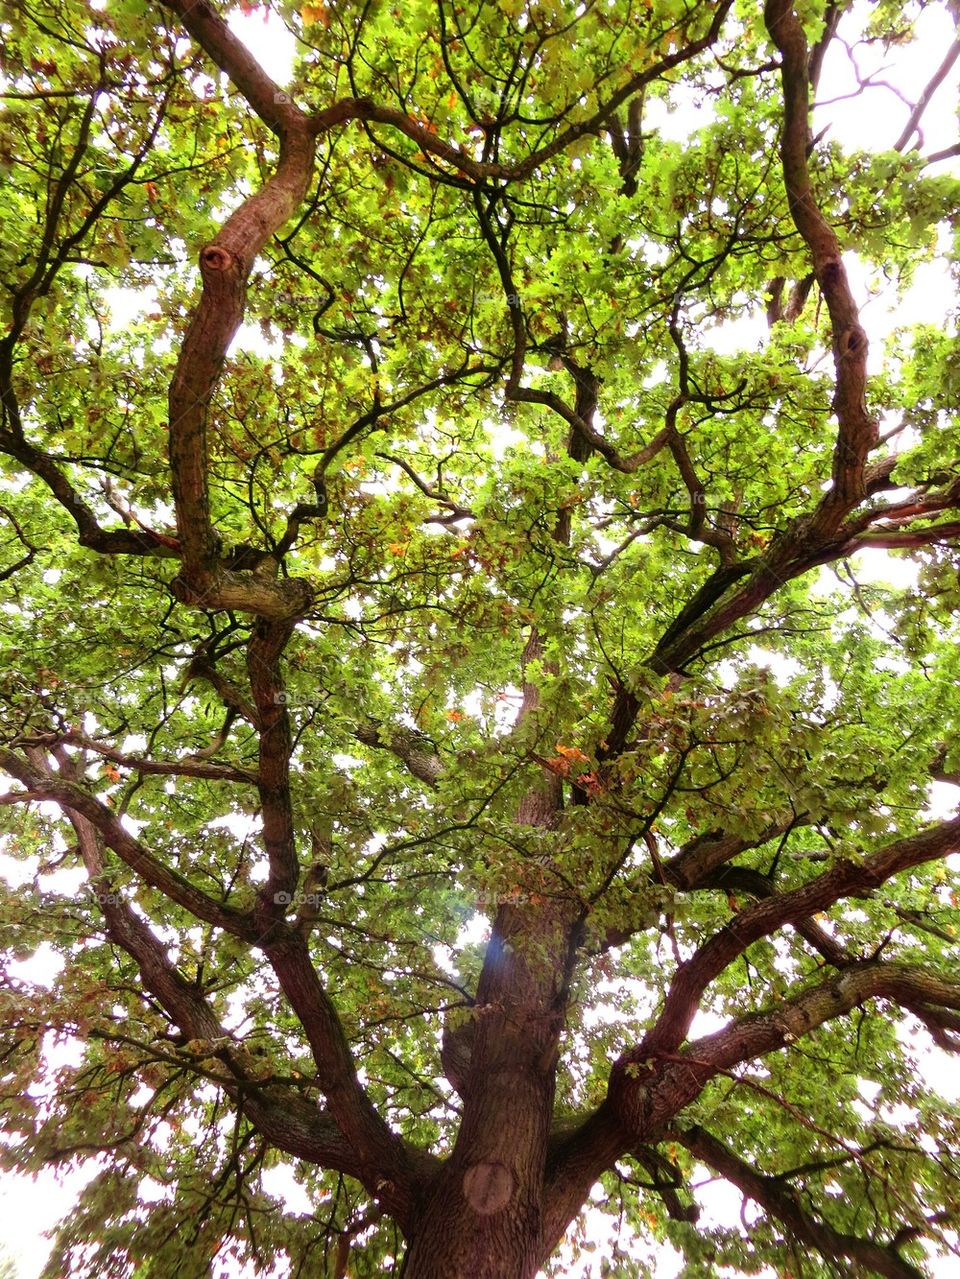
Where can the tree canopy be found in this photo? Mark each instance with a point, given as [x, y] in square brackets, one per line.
[453, 751]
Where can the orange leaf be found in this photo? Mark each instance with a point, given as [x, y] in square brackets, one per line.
[311, 13]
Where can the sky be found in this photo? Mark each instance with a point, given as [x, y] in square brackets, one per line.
[871, 120]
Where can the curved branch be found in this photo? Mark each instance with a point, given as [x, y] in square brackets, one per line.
[780, 1202]
[858, 431]
[485, 171]
[284, 1117]
[649, 1086]
[649, 1089]
[231, 55]
[78, 803]
[847, 878]
[387, 1167]
[191, 766]
[224, 266]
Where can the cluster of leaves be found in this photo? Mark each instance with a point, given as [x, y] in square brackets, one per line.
[498, 359]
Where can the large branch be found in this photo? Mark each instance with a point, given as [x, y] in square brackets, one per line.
[575, 1162]
[858, 431]
[704, 863]
[648, 1089]
[846, 878]
[189, 766]
[377, 1156]
[662, 1083]
[816, 537]
[284, 1117]
[780, 1202]
[225, 264]
[49, 469]
[386, 1166]
[264, 651]
[77, 802]
[651, 1083]
[382, 1159]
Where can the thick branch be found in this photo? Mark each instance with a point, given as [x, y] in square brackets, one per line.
[858, 431]
[411, 747]
[384, 1164]
[815, 538]
[574, 1163]
[766, 917]
[375, 1154]
[286, 1119]
[123, 541]
[264, 651]
[649, 1088]
[77, 802]
[232, 56]
[225, 265]
[779, 1201]
[684, 1074]
[187, 767]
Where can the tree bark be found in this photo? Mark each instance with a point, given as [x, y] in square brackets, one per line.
[482, 1218]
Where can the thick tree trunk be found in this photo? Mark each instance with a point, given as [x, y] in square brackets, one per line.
[483, 1215]
[458, 1241]
[482, 1219]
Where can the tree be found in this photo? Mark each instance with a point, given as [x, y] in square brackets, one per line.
[415, 557]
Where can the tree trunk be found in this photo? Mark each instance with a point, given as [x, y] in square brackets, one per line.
[483, 1216]
[457, 1240]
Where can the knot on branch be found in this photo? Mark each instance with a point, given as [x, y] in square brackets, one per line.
[488, 1188]
[852, 342]
[213, 258]
[831, 273]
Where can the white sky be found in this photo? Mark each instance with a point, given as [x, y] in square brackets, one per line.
[871, 121]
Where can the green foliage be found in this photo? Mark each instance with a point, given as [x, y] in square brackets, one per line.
[378, 345]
